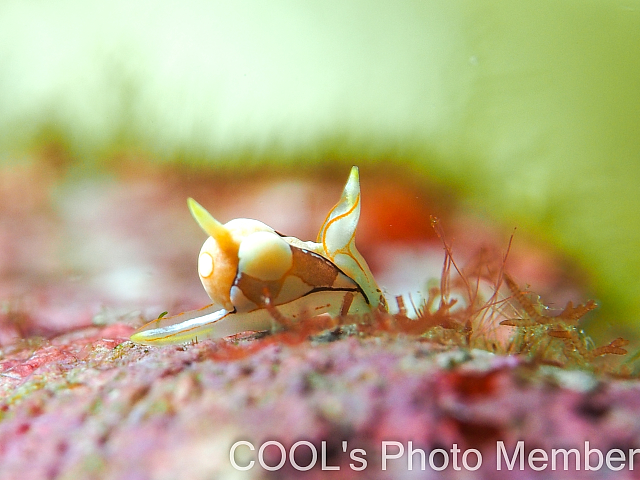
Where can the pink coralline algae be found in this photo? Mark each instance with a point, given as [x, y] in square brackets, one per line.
[94, 405]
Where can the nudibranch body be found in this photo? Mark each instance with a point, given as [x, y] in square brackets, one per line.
[245, 265]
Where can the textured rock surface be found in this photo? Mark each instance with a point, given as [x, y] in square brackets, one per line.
[93, 405]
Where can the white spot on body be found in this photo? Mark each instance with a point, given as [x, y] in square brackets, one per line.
[205, 265]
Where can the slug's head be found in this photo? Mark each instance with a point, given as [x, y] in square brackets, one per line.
[218, 259]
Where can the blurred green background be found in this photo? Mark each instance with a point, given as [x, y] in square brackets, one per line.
[528, 110]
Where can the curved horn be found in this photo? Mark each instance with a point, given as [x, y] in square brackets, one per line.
[337, 238]
[211, 226]
[339, 228]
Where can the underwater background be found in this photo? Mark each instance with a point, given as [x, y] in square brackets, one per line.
[492, 115]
